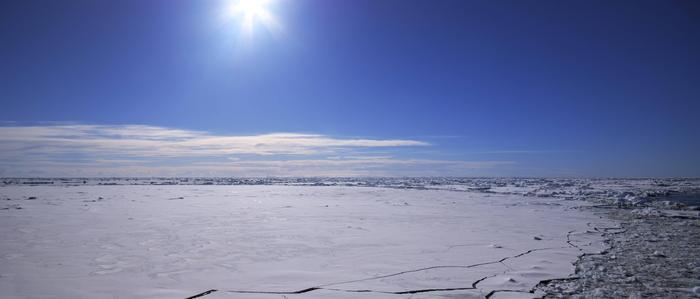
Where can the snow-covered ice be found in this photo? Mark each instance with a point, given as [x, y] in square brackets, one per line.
[295, 240]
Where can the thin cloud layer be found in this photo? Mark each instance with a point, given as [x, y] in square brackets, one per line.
[138, 150]
[150, 141]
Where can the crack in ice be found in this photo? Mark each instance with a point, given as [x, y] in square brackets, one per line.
[202, 294]
[325, 286]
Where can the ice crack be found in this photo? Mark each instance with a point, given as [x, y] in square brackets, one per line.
[326, 286]
[202, 294]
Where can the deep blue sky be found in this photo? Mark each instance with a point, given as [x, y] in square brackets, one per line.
[573, 88]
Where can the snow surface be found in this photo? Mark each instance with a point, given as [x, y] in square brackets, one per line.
[412, 240]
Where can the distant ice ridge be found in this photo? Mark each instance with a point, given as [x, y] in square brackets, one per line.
[620, 192]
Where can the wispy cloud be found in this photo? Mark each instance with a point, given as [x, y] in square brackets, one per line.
[135, 150]
[298, 167]
[507, 152]
[150, 141]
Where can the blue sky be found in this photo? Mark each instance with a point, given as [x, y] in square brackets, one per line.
[458, 88]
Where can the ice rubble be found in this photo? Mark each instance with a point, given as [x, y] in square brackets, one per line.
[652, 255]
[607, 191]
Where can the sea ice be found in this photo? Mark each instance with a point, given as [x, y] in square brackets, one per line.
[296, 238]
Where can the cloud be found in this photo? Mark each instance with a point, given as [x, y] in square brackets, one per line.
[139, 150]
[281, 168]
[150, 141]
[515, 152]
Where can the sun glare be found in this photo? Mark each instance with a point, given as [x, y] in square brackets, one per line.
[250, 12]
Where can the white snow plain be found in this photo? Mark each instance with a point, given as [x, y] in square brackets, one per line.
[272, 241]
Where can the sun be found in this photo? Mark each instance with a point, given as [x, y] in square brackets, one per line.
[251, 12]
